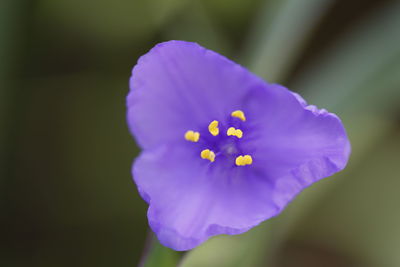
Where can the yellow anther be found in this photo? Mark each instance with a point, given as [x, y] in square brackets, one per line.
[239, 114]
[231, 131]
[192, 136]
[213, 128]
[207, 154]
[248, 160]
[235, 132]
[239, 161]
[244, 160]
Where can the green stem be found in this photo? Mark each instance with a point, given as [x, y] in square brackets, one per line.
[156, 255]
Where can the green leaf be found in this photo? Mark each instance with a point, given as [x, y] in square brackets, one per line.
[280, 35]
[231, 251]
[340, 75]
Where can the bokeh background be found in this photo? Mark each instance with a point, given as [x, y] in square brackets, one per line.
[67, 198]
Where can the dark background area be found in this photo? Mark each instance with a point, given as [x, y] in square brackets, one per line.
[67, 196]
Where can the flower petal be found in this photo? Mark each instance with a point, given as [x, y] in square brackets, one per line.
[294, 144]
[180, 86]
[192, 199]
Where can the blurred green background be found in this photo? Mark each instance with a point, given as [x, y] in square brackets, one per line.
[67, 198]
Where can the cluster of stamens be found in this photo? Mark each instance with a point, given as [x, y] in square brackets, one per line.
[193, 136]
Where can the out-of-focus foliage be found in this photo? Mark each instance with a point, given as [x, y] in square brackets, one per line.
[67, 198]
[111, 22]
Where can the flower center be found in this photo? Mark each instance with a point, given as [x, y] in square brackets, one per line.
[224, 146]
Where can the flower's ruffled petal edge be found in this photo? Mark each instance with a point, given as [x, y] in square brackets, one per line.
[171, 238]
[306, 174]
[298, 144]
[179, 86]
[190, 202]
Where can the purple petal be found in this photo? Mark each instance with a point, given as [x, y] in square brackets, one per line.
[293, 144]
[180, 86]
[190, 200]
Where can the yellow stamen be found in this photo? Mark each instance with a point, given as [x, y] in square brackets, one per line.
[213, 128]
[192, 136]
[244, 160]
[248, 160]
[207, 154]
[239, 114]
[235, 132]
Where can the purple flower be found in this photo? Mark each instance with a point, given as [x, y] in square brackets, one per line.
[222, 149]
